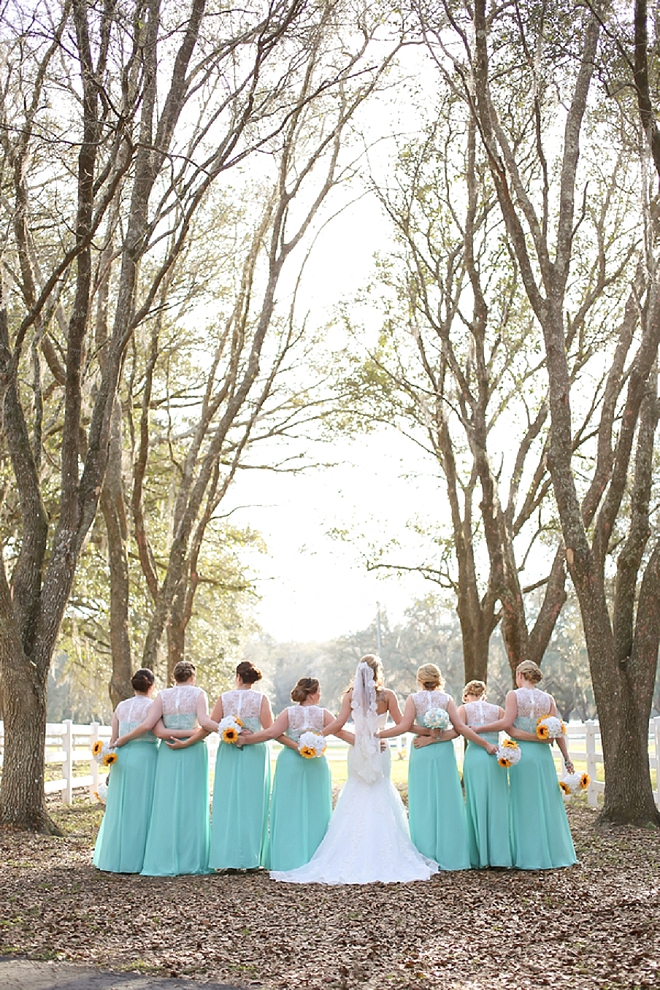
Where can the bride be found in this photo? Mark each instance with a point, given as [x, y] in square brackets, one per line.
[367, 840]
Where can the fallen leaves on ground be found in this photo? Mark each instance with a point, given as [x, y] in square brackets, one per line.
[592, 926]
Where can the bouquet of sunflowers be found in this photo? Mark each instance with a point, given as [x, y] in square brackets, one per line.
[550, 727]
[508, 754]
[229, 728]
[102, 753]
[436, 718]
[101, 791]
[572, 783]
[311, 745]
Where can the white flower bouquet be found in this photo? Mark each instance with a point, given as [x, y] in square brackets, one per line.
[103, 754]
[311, 745]
[436, 718]
[508, 754]
[101, 792]
[550, 727]
[572, 783]
[229, 728]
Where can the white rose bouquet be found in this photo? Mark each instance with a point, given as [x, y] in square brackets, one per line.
[508, 754]
[550, 727]
[311, 745]
[229, 728]
[436, 718]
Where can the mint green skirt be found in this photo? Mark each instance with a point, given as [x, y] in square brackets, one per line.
[436, 808]
[487, 806]
[178, 834]
[300, 809]
[123, 834]
[239, 823]
[540, 836]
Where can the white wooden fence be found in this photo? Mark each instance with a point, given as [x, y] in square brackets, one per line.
[68, 746]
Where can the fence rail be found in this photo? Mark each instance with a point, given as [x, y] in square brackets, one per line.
[69, 746]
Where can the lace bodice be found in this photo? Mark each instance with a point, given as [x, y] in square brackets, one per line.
[131, 712]
[532, 704]
[481, 712]
[426, 700]
[304, 718]
[180, 706]
[246, 705]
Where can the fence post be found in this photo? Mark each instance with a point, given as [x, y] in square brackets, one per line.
[592, 766]
[93, 765]
[67, 765]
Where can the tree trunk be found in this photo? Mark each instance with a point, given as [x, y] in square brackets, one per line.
[114, 514]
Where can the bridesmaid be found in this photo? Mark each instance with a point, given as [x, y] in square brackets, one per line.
[486, 785]
[540, 835]
[436, 808]
[178, 833]
[123, 833]
[242, 778]
[301, 802]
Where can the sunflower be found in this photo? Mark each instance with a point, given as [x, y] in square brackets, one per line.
[307, 752]
[109, 759]
[564, 787]
[230, 735]
[97, 747]
[238, 721]
[541, 729]
[510, 744]
[585, 780]
[503, 762]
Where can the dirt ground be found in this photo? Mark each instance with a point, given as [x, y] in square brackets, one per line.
[596, 925]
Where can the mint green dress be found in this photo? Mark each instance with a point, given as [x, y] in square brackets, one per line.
[301, 802]
[178, 834]
[121, 840]
[486, 795]
[241, 790]
[540, 835]
[436, 809]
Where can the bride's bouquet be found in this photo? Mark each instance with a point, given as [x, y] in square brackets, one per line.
[229, 728]
[103, 754]
[550, 727]
[508, 754]
[572, 783]
[311, 745]
[436, 718]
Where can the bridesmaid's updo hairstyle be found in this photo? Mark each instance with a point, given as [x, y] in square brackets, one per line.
[303, 689]
[142, 680]
[248, 673]
[531, 671]
[184, 670]
[475, 688]
[429, 677]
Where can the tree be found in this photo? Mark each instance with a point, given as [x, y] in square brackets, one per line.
[116, 122]
[540, 206]
[458, 366]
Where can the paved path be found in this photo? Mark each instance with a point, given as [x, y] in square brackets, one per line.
[24, 974]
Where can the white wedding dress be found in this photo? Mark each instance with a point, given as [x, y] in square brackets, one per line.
[368, 840]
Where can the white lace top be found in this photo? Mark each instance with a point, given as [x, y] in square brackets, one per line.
[532, 702]
[532, 705]
[131, 712]
[426, 700]
[246, 705]
[481, 712]
[303, 718]
[180, 706]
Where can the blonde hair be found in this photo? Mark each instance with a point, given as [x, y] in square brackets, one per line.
[476, 688]
[531, 671]
[429, 677]
[303, 689]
